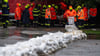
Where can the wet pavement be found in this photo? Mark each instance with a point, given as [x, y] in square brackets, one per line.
[14, 34]
[80, 48]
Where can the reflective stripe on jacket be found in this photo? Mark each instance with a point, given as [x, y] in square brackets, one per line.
[48, 13]
[36, 12]
[18, 13]
[81, 15]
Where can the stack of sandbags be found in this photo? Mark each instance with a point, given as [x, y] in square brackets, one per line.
[76, 33]
[45, 44]
[70, 28]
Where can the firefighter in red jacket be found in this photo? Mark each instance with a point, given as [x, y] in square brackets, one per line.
[86, 16]
[53, 16]
[48, 16]
[70, 15]
[92, 20]
[31, 13]
[18, 14]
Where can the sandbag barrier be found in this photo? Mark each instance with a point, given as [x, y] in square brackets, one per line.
[45, 44]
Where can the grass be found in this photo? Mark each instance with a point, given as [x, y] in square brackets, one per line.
[92, 32]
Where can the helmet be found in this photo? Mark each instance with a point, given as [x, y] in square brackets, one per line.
[5, 1]
[56, 6]
[39, 5]
[44, 6]
[26, 6]
[78, 7]
[70, 7]
[19, 4]
[82, 5]
[31, 4]
[53, 4]
[49, 6]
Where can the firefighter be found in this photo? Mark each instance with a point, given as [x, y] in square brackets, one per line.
[5, 13]
[53, 16]
[36, 14]
[43, 15]
[56, 8]
[18, 12]
[86, 16]
[48, 16]
[70, 15]
[39, 20]
[26, 16]
[31, 14]
[92, 20]
[81, 17]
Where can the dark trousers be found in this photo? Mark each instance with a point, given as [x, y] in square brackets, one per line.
[17, 23]
[42, 21]
[36, 21]
[92, 21]
[53, 22]
[5, 20]
[47, 22]
[31, 23]
[81, 23]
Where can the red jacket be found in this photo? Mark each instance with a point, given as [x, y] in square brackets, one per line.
[85, 13]
[53, 14]
[30, 12]
[18, 12]
[93, 12]
[69, 13]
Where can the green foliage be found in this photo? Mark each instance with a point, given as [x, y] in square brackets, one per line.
[92, 32]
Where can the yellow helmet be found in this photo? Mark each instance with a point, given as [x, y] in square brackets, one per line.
[70, 7]
[31, 4]
[5, 1]
[39, 5]
[19, 4]
[44, 6]
[56, 6]
[26, 6]
[53, 4]
[49, 6]
[78, 7]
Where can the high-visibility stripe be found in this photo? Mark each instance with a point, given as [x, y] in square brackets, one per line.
[5, 14]
[35, 8]
[35, 15]
[4, 23]
[43, 12]
[43, 15]
[4, 5]
[8, 8]
[35, 11]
